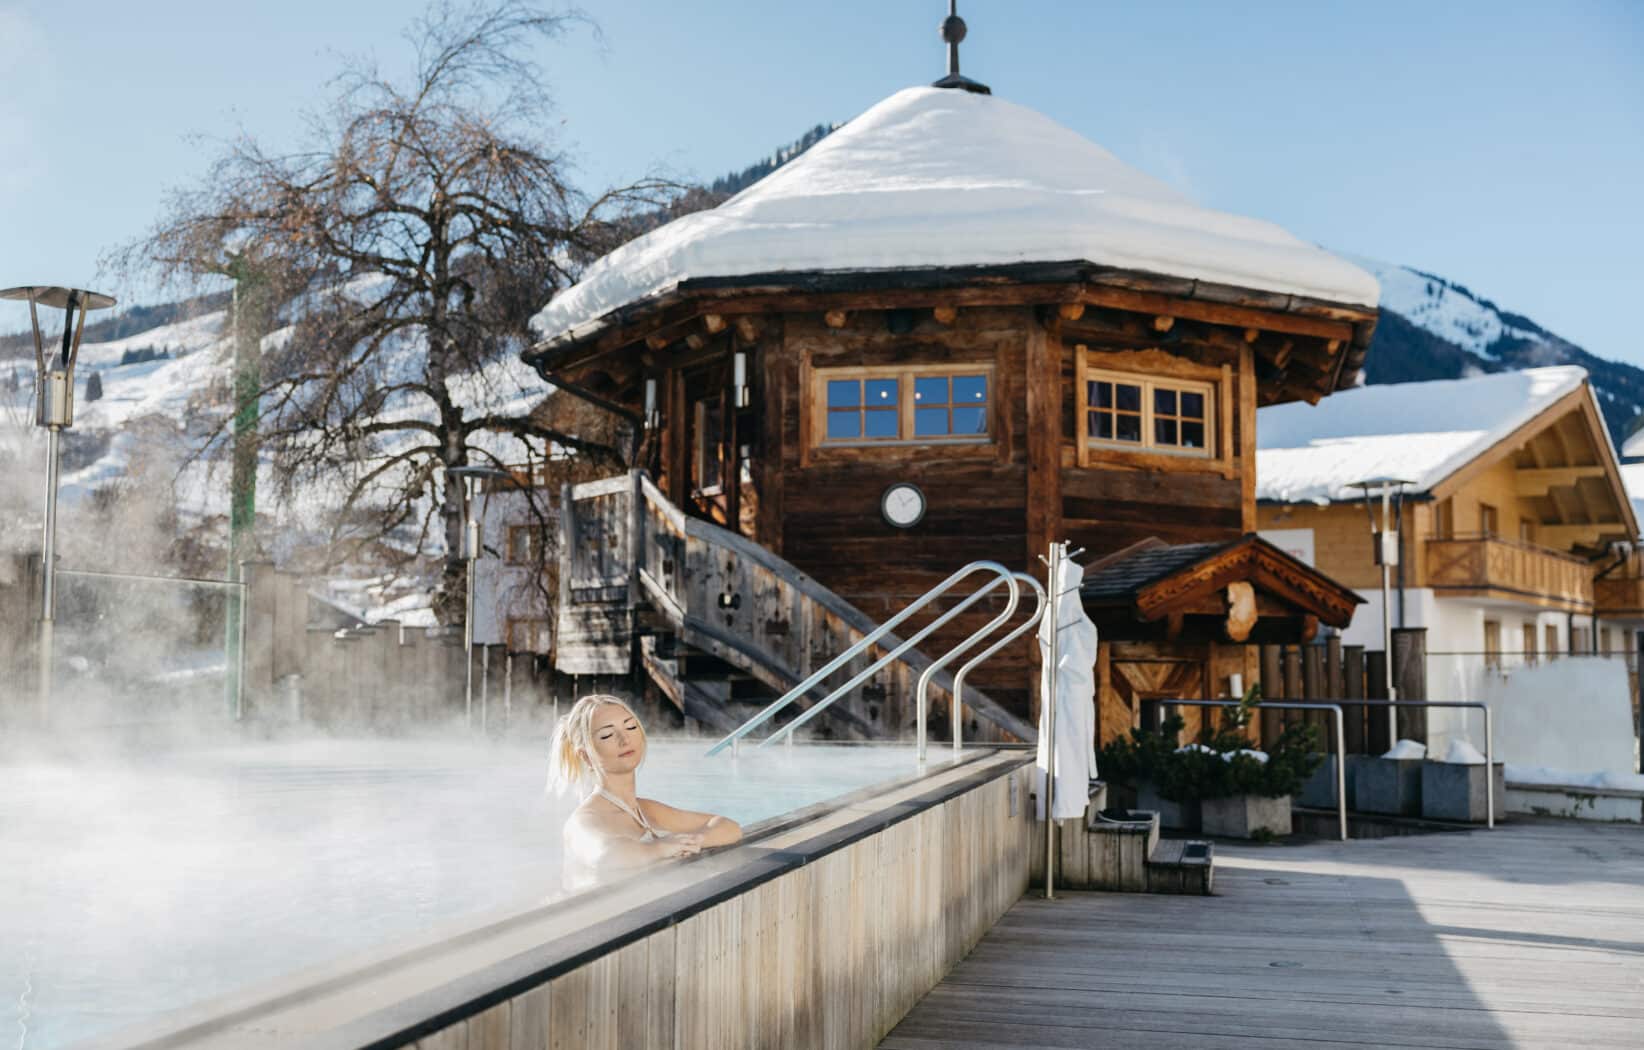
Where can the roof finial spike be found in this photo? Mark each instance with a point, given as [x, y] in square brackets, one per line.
[953, 31]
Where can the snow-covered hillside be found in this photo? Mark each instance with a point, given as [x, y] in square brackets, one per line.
[1435, 328]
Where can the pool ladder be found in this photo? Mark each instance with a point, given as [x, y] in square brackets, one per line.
[997, 576]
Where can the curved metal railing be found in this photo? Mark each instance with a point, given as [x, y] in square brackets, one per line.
[959, 679]
[1002, 577]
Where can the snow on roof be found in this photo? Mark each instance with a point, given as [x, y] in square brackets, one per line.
[932, 177]
[1419, 431]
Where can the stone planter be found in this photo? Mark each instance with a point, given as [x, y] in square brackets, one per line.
[1319, 791]
[1243, 816]
[1388, 785]
[1178, 816]
[1450, 791]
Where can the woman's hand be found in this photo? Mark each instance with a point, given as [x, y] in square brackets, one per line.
[676, 846]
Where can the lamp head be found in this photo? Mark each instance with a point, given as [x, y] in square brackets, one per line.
[54, 384]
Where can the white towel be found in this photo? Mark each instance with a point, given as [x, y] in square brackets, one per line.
[1075, 700]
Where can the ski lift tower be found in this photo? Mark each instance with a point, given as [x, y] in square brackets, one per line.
[54, 410]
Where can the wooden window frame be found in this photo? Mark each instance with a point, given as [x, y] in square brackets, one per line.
[533, 624]
[1162, 369]
[818, 377]
[533, 540]
[1489, 520]
[701, 451]
[1492, 652]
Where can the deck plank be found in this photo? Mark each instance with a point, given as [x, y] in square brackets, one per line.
[1528, 936]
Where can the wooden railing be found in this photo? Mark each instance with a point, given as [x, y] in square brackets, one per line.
[728, 596]
[1476, 565]
[1619, 595]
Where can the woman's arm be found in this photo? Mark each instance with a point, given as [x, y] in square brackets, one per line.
[604, 845]
[714, 830]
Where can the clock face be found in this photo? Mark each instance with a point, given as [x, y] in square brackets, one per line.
[903, 505]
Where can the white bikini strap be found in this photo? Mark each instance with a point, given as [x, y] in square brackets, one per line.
[638, 815]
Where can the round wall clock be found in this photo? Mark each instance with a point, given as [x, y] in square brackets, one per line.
[902, 505]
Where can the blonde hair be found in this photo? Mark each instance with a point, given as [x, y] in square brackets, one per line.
[568, 765]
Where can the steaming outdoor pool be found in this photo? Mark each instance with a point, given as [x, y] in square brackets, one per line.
[133, 886]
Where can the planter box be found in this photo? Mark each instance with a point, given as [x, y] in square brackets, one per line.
[1242, 816]
[1388, 785]
[1319, 791]
[1179, 816]
[1456, 792]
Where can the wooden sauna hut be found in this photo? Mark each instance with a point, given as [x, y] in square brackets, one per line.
[951, 330]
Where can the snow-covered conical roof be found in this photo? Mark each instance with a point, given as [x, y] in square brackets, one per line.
[932, 178]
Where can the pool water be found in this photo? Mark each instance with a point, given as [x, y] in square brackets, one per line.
[132, 887]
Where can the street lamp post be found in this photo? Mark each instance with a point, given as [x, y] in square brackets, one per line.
[474, 489]
[1390, 493]
[54, 410]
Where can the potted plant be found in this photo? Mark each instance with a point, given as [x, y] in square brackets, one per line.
[1221, 779]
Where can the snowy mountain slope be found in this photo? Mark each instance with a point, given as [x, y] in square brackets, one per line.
[1434, 328]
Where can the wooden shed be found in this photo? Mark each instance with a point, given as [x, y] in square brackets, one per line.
[953, 330]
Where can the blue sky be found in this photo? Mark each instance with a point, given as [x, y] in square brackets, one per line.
[1499, 144]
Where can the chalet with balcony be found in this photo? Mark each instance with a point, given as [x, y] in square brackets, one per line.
[1516, 526]
[952, 330]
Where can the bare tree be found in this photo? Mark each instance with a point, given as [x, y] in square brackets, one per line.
[400, 258]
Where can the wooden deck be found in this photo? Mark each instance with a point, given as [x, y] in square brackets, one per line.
[1528, 936]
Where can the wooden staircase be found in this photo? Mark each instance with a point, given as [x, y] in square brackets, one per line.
[721, 625]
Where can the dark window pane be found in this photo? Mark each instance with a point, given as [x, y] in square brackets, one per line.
[971, 419]
[1101, 395]
[1130, 397]
[1193, 435]
[1192, 405]
[1101, 425]
[1164, 431]
[844, 425]
[970, 388]
[1164, 402]
[930, 421]
[881, 392]
[844, 393]
[1129, 428]
[931, 391]
[879, 423]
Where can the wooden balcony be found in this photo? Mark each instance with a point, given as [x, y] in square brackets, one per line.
[1495, 567]
[1620, 596]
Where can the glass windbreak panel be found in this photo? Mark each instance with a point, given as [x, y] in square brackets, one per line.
[844, 425]
[844, 393]
[879, 423]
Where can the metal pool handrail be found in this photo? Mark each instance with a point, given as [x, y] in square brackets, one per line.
[959, 679]
[1341, 742]
[786, 733]
[1001, 574]
[923, 692]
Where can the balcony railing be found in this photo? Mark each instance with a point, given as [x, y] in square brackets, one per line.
[1499, 567]
[1619, 595]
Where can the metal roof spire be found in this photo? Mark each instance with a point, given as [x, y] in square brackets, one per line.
[953, 31]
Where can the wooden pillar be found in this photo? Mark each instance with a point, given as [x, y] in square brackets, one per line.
[1352, 658]
[777, 401]
[1272, 683]
[1410, 673]
[261, 606]
[1247, 439]
[1044, 449]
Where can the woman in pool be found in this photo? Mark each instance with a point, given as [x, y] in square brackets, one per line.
[595, 751]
